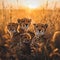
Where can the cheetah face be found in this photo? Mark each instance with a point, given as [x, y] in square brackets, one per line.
[12, 27]
[40, 29]
[24, 23]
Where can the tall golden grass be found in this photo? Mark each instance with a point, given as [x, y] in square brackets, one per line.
[51, 17]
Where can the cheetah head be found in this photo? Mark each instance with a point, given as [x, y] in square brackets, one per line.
[12, 28]
[24, 23]
[40, 29]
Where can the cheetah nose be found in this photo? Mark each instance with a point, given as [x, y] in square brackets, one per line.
[39, 30]
[26, 24]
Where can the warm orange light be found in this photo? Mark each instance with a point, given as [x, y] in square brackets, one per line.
[32, 6]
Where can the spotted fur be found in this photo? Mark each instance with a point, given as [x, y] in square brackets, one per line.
[39, 41]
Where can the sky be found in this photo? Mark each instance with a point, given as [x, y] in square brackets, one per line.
[29, 3]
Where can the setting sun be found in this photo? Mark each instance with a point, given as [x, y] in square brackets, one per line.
[31, 6]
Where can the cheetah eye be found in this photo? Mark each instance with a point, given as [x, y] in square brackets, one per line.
[29, 21]
[36, 26]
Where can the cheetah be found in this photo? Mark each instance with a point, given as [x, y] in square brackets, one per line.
[38, 43]
[23, 48]
[14, 35]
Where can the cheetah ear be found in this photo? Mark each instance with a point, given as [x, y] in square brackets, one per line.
[46, 25]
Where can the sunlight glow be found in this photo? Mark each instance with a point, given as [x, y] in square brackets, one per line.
[32, 6]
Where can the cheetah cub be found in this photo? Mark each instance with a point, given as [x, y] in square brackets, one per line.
[39, 40]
